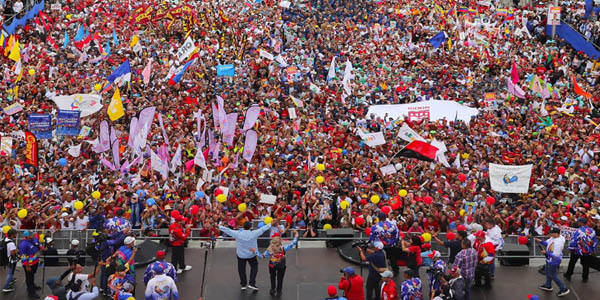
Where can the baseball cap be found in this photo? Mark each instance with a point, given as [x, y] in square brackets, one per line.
[276, 234]
[75, 242]
[434, 254]
[479, 233]
[331, 291]
[160, 254]
[129, 240]
[378, 245]
[348, 270]
[555, 230]
[26, 233]
[387, 274]
[582, 220]
[158, 269]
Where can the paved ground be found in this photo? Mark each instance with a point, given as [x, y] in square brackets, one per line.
[309, 273]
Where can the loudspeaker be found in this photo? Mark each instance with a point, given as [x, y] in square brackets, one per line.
[514, 250]
[342, 235]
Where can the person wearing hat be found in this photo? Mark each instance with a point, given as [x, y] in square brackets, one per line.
[553, 252]
[116, 282]
[377, 265]
[388, 286]
[168, 268]
[12, 255]
[161, 287]
[352, 284]
[245, 240]
[332, 293]
[437, 270]
[411, 287]
[455, 287]
[29, 248]
[125, 255]
[582, 246]
[74, 251]
[179, 231]
[485, 256]
[50, 254]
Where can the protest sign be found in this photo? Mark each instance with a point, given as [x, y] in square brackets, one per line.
[67, 122]
[268, 199]
[388, 170]
[31, 149]
[510, 179]
[13, 109]
[553, 15]
[372, 139]
[40, 125]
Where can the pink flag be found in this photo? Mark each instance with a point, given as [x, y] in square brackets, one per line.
[146, 72]
[107, 164]
[104, 140]
[221, 114]
[115, 152]
[251, 116]
[211, 141]
[163, 153]
[250, 145]
[132, 131]
[229, 128]
[510, 86]
[519, 92]
[125, 167]
[143, 125]
[215, 113]
[514, 74]
[162, 127]
[189, 165]
[545, 91]
[199, 158]
[215, 154]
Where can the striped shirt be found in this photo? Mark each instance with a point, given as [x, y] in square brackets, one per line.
[466, 260]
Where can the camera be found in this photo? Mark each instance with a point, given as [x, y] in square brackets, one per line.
[360, 243]
[435, 272]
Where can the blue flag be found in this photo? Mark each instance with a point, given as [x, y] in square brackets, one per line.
[107, 50]
[438, 39]
[80, 34]
[177, 77]
[119, 75]
[225, 70]
[115, 39]
[66, 41]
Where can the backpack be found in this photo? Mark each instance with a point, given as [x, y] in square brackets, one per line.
[4, 259]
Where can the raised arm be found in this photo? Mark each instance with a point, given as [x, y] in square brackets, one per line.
[228, 231]
[256, 233]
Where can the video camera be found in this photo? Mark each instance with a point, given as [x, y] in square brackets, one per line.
[94, 248]
[360, 243]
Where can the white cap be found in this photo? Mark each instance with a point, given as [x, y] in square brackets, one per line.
[75, 242]
[129, 240]
[48, 240]
[378, 245]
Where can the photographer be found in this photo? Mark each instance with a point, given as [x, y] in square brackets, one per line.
[351, 284]
[386, 232]
[77, 276]
[436, 272]
[453, 286]
[377, 265]
[79, 292]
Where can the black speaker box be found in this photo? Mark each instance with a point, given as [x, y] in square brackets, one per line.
[341, 235]
[514, 250]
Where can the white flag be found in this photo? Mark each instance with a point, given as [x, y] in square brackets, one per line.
[176, 161]
[510, 179]
[75, 150]
[408, 134]
[199, 158]
[331, 73]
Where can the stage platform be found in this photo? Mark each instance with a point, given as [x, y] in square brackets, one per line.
[309, 272]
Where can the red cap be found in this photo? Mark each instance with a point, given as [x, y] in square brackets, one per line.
[331, 290]
[276, 234]
[479, 233]
[160, 254]
[426, 246]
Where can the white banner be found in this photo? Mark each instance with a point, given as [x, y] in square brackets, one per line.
[408, 134]
[510, 179]
[265, 54]
[372, 139]
[433, 110]
[6, 146]
[553, 15]
[186, 49]
[388, 170]
[88, 104]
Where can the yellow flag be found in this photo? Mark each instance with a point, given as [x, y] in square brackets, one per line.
[134, 40]
[449, 44]
[11, 41]
[115, 108]
[1, 39]
[16, 92]
[15, 52]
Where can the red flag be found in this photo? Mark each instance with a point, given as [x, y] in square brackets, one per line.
[419, 150]
[579, 91]
[514, 74]
[31, 151]
[51, 42]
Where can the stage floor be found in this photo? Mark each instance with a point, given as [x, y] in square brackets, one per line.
[309, 272]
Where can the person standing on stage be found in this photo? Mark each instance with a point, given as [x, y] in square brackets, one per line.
[276, 252]
[582, 245]
[553, 251]
[245, 240]
[179, 231]
[29, 248]
[387, 232]
[168, 268]
[377, 264]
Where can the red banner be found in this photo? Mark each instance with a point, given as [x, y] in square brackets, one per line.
[31, 151]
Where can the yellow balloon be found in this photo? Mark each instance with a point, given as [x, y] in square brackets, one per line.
[374, 199]
[96, 195]
[320, 167]
[5, 229]
[320, 179]
[268, 220]
[31, 72]
[344, 204]
[78, 205]
[69, 16]
[221, 198]
[426, 237]
[42, 237]
[97, 87]
[327, 226]
[402, 193]
[462, 212]
[242, 207]
[22, 213]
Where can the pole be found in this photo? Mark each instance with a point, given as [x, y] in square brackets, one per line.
[203, 274]
[553, 21]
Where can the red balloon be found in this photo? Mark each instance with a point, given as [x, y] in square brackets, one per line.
[175, 214]
[490, 200]
[461, 227]
[428, 200]
[586, 205]
[218, 192]
[396, 204]
[194, 209]
[368, 231]
[523, 240]
[363, 201]
[386, 210]
[359, 221]
[561, 170]
[450, 235]
[462, 177]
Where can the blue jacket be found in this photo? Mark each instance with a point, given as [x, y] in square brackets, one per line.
[96, 221]
[245, 239]
[30, 251]
[583, 241]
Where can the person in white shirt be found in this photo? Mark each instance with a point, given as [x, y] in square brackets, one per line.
[11, 252]
[494, 235]
[161, 286]
[553, 250]
[77, 270]
[81, 221]
[78, 291]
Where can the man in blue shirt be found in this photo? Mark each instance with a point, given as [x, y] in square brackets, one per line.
[29, 248]
[246, 240]
[582, 245]
[376, 260]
